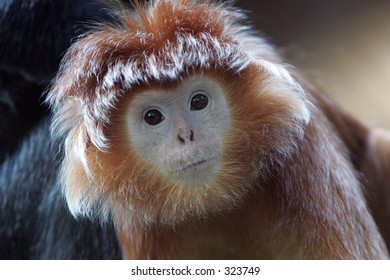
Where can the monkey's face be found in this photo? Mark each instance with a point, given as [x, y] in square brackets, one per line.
[180, 130]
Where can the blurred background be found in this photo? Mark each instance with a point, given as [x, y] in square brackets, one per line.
[343, 46]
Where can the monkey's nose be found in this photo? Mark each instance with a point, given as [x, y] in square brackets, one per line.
[185, 136]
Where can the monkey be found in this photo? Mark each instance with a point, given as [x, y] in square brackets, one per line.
[190, 134]
[183, 127]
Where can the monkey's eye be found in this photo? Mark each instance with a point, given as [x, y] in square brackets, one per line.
[153, 117]
[199, 102]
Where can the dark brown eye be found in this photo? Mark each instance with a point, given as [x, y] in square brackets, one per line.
[153, 117]
[199, 102]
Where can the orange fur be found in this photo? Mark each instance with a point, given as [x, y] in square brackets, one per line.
[287, 187]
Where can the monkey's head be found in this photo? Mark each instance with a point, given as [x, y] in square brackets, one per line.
[172, 113]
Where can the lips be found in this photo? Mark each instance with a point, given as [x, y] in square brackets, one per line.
[196, 165]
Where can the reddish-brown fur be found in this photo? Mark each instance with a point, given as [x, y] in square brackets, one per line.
[286, 189]
[376, 166]
[368, 150]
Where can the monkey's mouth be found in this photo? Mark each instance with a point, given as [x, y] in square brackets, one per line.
[198, 165]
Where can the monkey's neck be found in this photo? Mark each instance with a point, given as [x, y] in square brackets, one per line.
[224, 236]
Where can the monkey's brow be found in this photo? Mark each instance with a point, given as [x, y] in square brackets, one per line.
[166, 96]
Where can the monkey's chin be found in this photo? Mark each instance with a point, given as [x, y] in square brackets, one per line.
[199, 173]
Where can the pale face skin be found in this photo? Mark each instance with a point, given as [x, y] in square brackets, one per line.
[180, 131]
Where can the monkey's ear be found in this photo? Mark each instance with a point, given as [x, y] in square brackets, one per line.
[77, 99]
[279, 81]
[281, 84]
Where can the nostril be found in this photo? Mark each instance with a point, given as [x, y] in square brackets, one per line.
[181, 139]
[192, 136]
